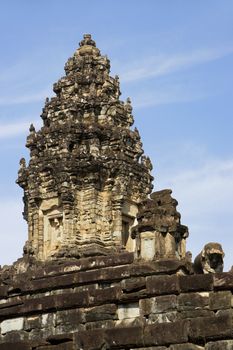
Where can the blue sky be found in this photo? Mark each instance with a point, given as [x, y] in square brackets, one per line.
[175, 61]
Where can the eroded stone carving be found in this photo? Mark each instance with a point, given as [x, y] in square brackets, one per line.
[210, 260]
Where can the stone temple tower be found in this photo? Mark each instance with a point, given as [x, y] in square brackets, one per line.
[105, 265]
[87, 171]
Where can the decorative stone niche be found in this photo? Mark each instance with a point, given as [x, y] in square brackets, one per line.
[52, 218]
[148, 249]
[129, 220]
[53, 231]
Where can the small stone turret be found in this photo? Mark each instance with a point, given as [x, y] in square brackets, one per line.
[87, 173]
[159, 233]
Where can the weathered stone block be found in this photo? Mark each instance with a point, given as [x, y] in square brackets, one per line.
[166, 333]
[62, 346]
[170, 266]
[69, 320]
[99, 325]
[100, 313]
[132, 297]
[223, 281]
[196, 283]
[90, 340]
[196, 313]
[15, 324]
[124, 336]
[220, 300]
[152, 348]
[193, 301]
[60, 338]
[208, 328]
[133, 284]
[85, 264]
[165, 303]
[15, 345]
[187, 346]
[220, 345]
[32, 322]
[48, 320]
[163, 317]
[3, 291]
[147, 306]
[128, 311]
[102, 296]
[158, 304]
[159, 285]
[16, 336]
[130, 322]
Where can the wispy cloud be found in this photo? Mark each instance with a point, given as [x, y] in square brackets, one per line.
[14, 129]
[205, 195]
[13, 232]
[25, 98]
[212, 182]
[173, 93]
[159, 65]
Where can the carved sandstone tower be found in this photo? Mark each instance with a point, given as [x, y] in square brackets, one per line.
[86, 173]
[88, 177]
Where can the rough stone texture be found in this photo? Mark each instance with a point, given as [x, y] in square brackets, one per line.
[105, 266]
[118, 311]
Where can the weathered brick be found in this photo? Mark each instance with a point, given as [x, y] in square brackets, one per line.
[158, 285]
[102, 296]
[15, 345]
[195, 283]
[220, 300]
[3, 291]
[69, 317]
[171, 316]
[62, 346]
[196, 313]
[133, 284]
[100, 313]
[152, 348]
[47, 303]
[158, 304]
[134, 296]
[223, 281]
[32, 322]
[124, 336]
[220, 345]
[84, 264]
[187, 346]
[99, 325]
[193, 301]
[217, 327]
[166, 333]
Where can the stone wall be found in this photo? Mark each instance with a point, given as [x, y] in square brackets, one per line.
[115, 302]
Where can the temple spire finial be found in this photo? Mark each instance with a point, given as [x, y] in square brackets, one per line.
[87, 40]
